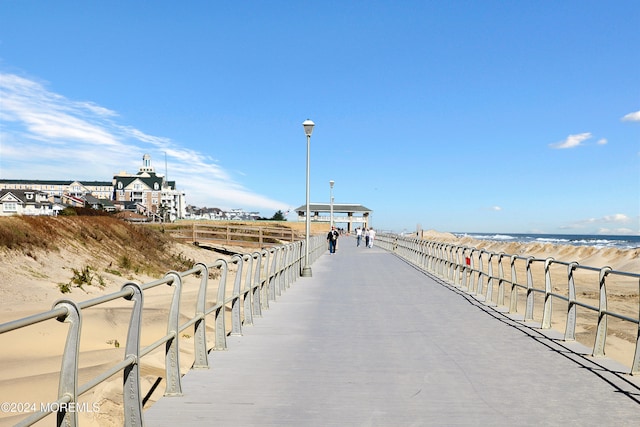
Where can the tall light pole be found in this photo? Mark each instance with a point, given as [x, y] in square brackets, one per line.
[306, 269]
[331, 200]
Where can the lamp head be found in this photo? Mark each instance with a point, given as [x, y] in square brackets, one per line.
[308, 127]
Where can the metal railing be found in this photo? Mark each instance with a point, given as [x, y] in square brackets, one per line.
[472, 270]
[268, 273]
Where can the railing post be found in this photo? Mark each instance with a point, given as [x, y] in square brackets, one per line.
[254, 287]
[465, 270]
[68, 385]
[472, 268]
[276, 272]
[528, 314]
[236, 326]
[570, 328]
[172, 350]
[513, 299]
[131, 391]
[221, 333]
[247, 292]
[273, 291]
[200, 327]
[601, 330]
[489, 293]
[500, 300]
[266, 289]
[480, 283]
[548, 301]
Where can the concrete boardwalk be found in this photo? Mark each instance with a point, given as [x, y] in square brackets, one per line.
[371, 341]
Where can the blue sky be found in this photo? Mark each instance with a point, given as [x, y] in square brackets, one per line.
[465, 116]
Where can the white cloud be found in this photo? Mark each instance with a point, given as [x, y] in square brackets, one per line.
[632, 117]
[47, 136]
[617, 218]
[608, 224]
[602, 141]
[496, 208]
[572, 141]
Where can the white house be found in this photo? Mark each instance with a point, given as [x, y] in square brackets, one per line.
[25, 202]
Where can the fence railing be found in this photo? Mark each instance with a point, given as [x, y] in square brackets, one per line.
[260, 277]
[231, 234]
[482, 273]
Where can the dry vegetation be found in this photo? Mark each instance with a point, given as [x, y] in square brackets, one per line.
[126, 247]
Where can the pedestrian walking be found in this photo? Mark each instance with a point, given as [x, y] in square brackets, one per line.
[332, 238]
[366, 238]
[358, 236]
[372, 236]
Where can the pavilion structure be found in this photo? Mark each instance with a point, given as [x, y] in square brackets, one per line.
[349, 214]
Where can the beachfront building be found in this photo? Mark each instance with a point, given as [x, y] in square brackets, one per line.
[149, 193]
[57, 189]
[47, 197]
[217, 214]
[26, 202]
[350, 214]
[145, 192]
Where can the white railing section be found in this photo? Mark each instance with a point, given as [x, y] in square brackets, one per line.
[472, 271]
[260, 277]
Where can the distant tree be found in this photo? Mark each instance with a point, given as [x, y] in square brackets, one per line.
[278, 216]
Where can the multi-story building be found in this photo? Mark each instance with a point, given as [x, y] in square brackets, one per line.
[59, 189]
[145, 192]
[150, 193]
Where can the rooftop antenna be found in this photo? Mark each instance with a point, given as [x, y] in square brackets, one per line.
[166, 170]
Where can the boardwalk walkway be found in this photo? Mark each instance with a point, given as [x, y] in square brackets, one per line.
[371, 341]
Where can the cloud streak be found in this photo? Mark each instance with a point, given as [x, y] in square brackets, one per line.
[572, 141]
[47, 136]
[608, 224]
[632, 117]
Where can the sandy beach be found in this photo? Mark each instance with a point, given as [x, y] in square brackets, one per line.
[30, 358]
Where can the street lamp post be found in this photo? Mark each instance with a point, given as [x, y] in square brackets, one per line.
[331, 201]
[306, 269]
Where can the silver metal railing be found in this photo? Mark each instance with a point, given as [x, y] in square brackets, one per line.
[268, 273]
[464, 267]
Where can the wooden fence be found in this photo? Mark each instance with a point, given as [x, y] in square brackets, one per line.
[232, 234]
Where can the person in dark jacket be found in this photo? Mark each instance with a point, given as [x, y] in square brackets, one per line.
[332, 238]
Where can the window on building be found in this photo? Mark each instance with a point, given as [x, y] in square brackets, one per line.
[10, 207]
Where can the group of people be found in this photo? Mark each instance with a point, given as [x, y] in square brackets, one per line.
[368, 233]
[369, 236]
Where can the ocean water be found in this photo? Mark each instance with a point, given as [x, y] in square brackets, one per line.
[597, 241]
